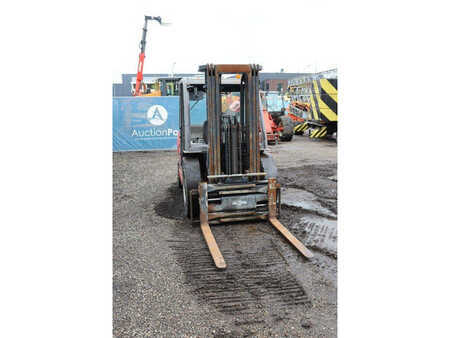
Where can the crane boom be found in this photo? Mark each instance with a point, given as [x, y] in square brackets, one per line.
[140, 70]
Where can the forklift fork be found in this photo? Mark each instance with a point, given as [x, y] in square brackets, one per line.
[206, 230]
[272, 198]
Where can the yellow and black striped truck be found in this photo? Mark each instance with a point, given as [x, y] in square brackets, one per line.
[315, 97]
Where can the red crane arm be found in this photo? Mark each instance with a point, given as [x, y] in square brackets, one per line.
[140, 74]
[140, 70]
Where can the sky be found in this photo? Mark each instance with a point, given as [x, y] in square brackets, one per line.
[297, 36]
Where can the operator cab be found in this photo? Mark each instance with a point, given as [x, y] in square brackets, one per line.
[274, 103]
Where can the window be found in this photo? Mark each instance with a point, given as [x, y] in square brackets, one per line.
[197, 107]
[280, 86]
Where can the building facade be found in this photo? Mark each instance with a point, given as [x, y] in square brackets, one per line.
[268, 81]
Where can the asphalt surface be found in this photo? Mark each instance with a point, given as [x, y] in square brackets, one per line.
[165, 283]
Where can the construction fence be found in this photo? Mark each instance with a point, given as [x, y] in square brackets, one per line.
[145, 123]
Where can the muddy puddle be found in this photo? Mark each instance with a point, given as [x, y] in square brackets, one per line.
[307, 201]
[309, 205]
[318, 233]
[320, 180]
[171, 205]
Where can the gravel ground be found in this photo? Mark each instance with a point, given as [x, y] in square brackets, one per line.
[165, 283]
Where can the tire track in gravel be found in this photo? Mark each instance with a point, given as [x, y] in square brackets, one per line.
[252, 281]
[257, 286]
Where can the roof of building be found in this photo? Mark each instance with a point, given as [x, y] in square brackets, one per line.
[124, 88]
[127, 78]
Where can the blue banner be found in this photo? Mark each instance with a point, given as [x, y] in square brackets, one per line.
[145, 123]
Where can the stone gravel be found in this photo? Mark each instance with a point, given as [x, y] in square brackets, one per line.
[152, 296]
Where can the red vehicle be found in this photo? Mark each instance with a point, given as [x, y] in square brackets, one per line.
[295, 117]
[278, 122]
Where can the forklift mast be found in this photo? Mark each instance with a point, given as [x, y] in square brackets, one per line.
[233, 138]
[240, 180]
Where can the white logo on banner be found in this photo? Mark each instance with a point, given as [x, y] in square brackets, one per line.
[157, 115]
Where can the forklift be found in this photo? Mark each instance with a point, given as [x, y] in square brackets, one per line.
[223, 168]
[279, 123]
